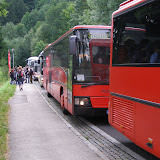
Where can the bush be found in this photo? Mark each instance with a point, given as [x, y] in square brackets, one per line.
[4, 76]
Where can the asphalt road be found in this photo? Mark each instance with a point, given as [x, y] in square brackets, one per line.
[38, 132]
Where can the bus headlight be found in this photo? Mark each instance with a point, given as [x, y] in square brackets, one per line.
[82, 101]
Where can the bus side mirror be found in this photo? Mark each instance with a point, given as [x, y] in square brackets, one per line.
[72, 45]
[39, 61]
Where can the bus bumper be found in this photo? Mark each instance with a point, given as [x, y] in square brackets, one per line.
[89, 111]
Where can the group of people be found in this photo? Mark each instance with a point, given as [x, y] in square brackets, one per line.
[20, 75]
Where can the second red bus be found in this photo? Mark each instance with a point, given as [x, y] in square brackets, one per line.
[76, 70]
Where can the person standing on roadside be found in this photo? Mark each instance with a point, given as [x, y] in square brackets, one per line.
[23, 74]
[15, 72]
[12, 76]
[27, 75]
[20, 78]
[30, 75]
[17, 76]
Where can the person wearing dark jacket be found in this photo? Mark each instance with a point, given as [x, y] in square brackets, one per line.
[12, 76]
[30, 75]
[20, 77]
[27, 75]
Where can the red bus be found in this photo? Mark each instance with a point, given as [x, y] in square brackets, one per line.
[134, 106]
[76, 70]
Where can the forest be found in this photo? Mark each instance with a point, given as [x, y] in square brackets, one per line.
[28, 26]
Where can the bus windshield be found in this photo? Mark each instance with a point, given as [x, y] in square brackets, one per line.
[90, 59]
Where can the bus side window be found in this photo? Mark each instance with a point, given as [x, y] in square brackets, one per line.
[123, 55]
[143, 50]
[155, 57]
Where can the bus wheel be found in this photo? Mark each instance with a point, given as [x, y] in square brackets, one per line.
[62, 105]
[48, 94]
[64, 111]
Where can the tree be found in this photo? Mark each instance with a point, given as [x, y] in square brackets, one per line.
[20, 30]
[30, 5]
[59, 23]
[3, 8]
[23, 49]
[17, 9]
[30, 19]
[99, 12]
[80, 6]
[43, 33]
[100, 8]
[26, 21]
[3, 50]
[40, 3]
[113, 5]
[9, 31]
[38, 48]
[88, 18]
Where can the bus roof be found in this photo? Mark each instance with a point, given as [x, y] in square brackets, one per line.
[32, 58]
[79, 27]
[128, 4]
[41, 54]
[92, 26]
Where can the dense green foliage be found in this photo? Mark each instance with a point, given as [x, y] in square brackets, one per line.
[33, 24]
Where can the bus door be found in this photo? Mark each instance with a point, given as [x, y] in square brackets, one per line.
[100, 57]
[69, 85]
[50, 71]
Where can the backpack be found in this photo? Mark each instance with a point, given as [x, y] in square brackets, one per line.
[20, 75]
[11, 74]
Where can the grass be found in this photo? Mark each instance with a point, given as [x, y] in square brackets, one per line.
[6, 91]
[3, 75]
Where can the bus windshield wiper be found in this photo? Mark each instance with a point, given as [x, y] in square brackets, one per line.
[90, 84]
[95, 83]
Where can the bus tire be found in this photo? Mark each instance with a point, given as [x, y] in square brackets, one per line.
[48, 94]
[62, 105]
[64, 111]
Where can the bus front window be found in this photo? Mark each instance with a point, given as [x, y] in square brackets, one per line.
[91, 59]
[100, 57]
[83, 68]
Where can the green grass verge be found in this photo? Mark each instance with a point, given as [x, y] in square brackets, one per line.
[6, 91]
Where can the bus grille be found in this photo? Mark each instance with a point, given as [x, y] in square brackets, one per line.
[99, 102]
[123, 113]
